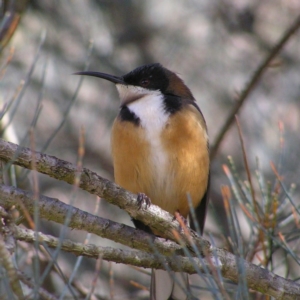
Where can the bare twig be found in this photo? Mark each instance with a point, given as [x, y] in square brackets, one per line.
[255, 205]
[6, 262]
[253, 82]
[29, 282]
[55, 210]
[11, 21]
[154, 217]
[258, 278]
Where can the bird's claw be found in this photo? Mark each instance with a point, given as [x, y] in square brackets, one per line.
[143, 198]
[182, 218]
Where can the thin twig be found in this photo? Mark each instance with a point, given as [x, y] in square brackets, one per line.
[251, 85]
[7, 262]
[29, 282]
[255, 205]
[259, 279]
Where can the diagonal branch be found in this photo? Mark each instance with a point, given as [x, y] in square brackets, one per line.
[258, 278]
[156, 218]
[54, 210]
[253, 82]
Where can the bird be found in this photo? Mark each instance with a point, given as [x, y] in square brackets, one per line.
[160, 151]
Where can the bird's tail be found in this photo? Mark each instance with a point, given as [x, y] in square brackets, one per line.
[165, 286]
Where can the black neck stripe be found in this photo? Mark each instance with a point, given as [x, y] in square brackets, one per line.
[172, 104]
[127, 115]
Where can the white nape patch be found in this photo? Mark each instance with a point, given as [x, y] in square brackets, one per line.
[148, 105]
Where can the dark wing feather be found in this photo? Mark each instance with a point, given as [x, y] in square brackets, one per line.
[201, 210]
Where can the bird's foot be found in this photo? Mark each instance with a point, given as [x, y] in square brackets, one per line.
[181, 219]
[143, 198]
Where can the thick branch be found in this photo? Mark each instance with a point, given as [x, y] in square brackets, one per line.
[158, 219]
[54, 210]
[258, 279]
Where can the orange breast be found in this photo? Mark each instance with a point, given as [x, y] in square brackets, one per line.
[184, 143]
[185, 139]
[131, 152]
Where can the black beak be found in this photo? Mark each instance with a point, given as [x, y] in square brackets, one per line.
[111, 78]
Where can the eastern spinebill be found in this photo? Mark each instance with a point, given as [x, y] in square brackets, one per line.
[160, 149]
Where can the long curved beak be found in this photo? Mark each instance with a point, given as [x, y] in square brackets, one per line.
[111, 78]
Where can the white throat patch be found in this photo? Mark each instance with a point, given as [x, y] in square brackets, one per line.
[149, 107]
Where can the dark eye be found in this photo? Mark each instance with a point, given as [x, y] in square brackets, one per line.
[144, 82]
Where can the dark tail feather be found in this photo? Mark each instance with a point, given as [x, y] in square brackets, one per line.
[163, 286]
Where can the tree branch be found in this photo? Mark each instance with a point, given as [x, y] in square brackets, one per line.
[7, 262]
[258, 278]
[31, 284]
[156, 218]
[54, 210]
[253, 82]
